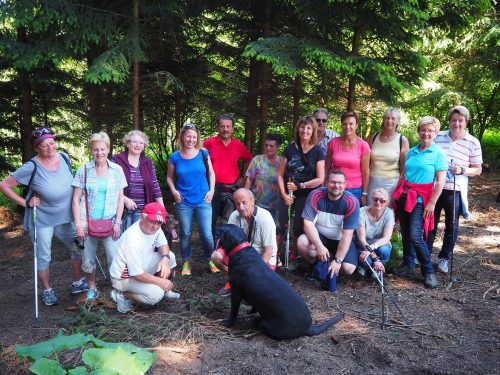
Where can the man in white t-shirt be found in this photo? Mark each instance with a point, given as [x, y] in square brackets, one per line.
[143, 262]
[259, 227]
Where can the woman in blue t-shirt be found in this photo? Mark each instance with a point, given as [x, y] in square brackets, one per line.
[191, 180]
[415, 198]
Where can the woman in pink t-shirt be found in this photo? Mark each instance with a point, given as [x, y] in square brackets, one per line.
[351, 155]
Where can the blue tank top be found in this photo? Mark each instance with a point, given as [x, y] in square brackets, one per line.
[191, 177]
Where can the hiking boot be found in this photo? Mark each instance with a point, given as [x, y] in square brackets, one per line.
[169, 294]
[82, 288]
[430, 281]
[49, 297]
[92, 295]
[405, 271]
[442, 266]
[186, 268]
[225, 291]
[123, 305]
[213, 267]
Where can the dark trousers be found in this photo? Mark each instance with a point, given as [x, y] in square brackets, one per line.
[222, 206]
[445, 202]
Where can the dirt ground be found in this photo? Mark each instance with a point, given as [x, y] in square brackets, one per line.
[453, 330]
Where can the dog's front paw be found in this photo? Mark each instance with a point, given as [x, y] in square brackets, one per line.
[228, 323]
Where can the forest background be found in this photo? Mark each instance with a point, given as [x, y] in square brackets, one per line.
[86, 66]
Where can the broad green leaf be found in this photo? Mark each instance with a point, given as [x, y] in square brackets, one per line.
[54, 345]
[44, 366]
[119, 360]
[80, 370]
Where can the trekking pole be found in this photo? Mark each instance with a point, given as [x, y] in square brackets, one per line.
[453, 279]
[389, 295]
[382, 294]
[35, 266]
[100, 266]
[287, 244]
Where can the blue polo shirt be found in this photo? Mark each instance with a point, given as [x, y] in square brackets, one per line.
[421, 166]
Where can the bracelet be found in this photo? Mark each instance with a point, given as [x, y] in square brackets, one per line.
[368, 248]
[165, 256]
[364, 193]
[376, 259]
[119, 222]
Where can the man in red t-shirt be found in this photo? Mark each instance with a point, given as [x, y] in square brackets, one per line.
[225, 154]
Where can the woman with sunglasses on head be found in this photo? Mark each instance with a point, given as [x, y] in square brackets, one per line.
[48, 176]
[415, 198]
[374, 232]
[388, 153]
[301, 170]
[98, 191]
[143, 187]
[191, 179]
[351, 155]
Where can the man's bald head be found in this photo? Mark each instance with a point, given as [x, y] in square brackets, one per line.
[244, 202]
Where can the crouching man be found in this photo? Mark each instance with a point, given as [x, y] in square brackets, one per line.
[260, 230]
[143, 262]
[330, 216]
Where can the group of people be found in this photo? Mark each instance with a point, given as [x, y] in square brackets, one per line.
[340, 188]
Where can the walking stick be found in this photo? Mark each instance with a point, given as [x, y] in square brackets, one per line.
[382, 294]
[385, 291]
[287, 245]
[35, 266]
[453, 279]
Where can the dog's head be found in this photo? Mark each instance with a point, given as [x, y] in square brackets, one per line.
[230, 236]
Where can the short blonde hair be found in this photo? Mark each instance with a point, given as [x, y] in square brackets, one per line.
[100, 137]
[429, 120]
[128, 137]
[184, 129]
[382, 191]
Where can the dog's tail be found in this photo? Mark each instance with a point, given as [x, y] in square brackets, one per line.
[316, 330]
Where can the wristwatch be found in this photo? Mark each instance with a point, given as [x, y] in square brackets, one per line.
[302, 185]
[339, 260]
[166, 256]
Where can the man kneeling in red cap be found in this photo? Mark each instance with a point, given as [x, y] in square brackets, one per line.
[143, 262]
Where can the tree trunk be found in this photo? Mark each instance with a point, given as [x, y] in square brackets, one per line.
[26, 124]
[265, 78]
[252, 108]
[135, 70]
[356, 44]
[297, 94]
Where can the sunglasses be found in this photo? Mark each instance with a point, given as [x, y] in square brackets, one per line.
[42, 131]
[379, 200]
[190, 126]
[324, 120]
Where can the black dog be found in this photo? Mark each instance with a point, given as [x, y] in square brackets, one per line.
[284, 315]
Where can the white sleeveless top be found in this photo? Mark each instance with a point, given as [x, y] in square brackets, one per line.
[384, 160]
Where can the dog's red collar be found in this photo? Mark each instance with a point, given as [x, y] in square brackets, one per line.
[238, 248]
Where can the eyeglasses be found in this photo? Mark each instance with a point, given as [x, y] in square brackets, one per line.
[379, 200]
[426, 131]
[324, 120]
[42, 131]
[137, 143]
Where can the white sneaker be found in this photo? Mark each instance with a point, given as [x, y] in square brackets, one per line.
[123, 305]
[172, 295]
[442, 266]
[113, 294]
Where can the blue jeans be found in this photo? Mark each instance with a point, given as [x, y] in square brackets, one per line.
[383, 252]
[445, 202]
[203, 213]
[357, 193]
[129, 218]
[412, 232]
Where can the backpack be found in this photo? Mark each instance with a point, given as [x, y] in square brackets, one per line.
[27, 191]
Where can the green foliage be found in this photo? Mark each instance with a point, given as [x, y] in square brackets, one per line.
[491, 149]
[103, 358]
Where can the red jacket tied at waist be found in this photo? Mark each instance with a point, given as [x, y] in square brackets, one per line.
[413, 191]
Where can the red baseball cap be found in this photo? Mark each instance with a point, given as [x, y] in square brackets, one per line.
[155, 212]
